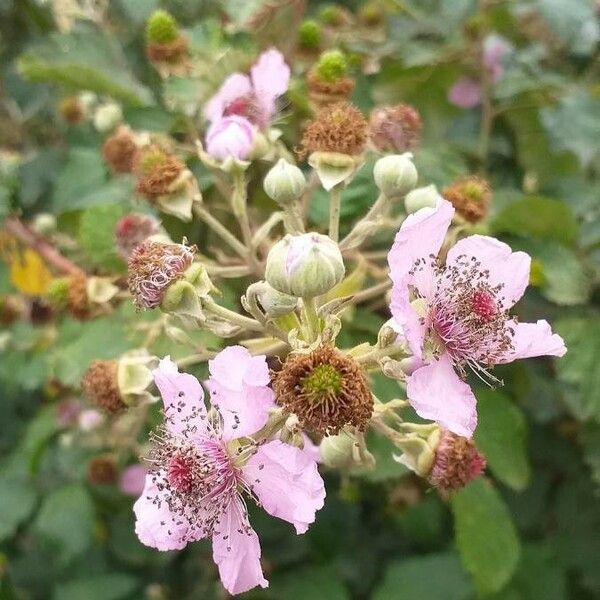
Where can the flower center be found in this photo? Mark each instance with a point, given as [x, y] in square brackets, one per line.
[323, 380]
[484, 305]
[245, 106]
[180, 474]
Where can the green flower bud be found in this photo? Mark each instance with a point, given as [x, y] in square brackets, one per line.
[161, 28]
[395, 175]
[332, 65]
[420, 198]
[107, 116]
[284, 183]
[305, 265]
[346, 451]
[309, 34]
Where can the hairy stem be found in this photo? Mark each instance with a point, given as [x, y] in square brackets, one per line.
[334, 212]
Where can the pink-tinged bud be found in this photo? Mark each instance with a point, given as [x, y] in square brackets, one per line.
[231, 137]
[133, 229]
[153, 267]
[457, 462]
[465, 93]
[132, 480]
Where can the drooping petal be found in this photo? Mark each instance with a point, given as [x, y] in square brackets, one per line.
[235, 86]
[533, 339]
[183, 398]
[236, 551]
[270, 77]
[436, 392]
[156, 526]
[507, 268]
[420, 237]
[287, 483]
[239, 389]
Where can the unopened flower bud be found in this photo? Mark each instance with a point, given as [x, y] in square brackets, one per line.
[275, 304]
[153, 267]
[421, 198]
[230, 138]
[395, 175]
[346, 451]
[107, 116]
[284, 183]
[305, 265]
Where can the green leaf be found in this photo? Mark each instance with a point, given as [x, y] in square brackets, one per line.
[574, 125]
[83, 183]
[590, 439]
[537, 217]
[485, 535]
[109, 586]
[431, 577]
[17, 501]
[579, 369]
[97, 235]
[66, 520]
[84, 59]
[500, 435]
[321, 581]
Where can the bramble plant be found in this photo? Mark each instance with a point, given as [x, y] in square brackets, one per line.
[261, 288]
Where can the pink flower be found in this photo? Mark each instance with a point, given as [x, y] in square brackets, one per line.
[230, 137]
[203, 462]
[132, 480]
[465, 93]
[456, 317]
[254, 96]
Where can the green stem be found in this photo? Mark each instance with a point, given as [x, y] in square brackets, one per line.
[292, 219]
[231, 316]
[334, 212]
[311, 319]
[202, 213]
[239, 205]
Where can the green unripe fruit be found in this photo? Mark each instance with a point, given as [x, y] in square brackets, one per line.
[58, 291]
[309, 34]
[161, 28]
[332, 65]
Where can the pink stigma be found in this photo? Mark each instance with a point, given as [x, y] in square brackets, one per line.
[179, 474]
[240, 106]
[484, 305]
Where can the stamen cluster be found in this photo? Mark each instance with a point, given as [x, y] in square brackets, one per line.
[101, 388]
[471, 196]
[325, 389]
[152, 267]
[156, 170]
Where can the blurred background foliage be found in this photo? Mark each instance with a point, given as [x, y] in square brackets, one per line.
[532, 531]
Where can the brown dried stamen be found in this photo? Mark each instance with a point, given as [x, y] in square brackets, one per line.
[101, 388]
[471, 197]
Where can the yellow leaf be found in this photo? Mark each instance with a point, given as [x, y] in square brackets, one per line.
[29, 274]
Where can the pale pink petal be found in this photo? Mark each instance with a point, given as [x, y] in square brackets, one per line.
[234, 87]
[437, 393]
[236, 551]
[412, 326]
[286, 482]
[230, 137]
[465, 93]
[312, 449]
[507, 268]
[420, 237]
[533, 339]
[239, 389]
[270, 79]
[155, 525]
[183, 398]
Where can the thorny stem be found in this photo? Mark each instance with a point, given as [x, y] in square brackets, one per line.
[334, 212]
[41, 245]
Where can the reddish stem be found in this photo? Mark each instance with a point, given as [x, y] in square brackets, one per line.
[41, 245]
